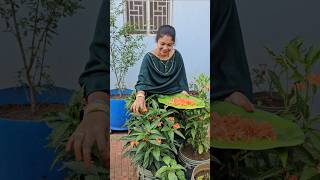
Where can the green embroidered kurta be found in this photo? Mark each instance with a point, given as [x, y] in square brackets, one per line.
[96, 74]
[162, 77]
[229, 71]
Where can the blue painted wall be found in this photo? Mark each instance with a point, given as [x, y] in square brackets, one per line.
[191, 18]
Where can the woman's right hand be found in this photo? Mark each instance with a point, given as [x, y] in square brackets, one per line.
[139, 105]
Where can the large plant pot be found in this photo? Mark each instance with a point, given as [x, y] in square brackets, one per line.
[118, 111]
[23, 153]
[272, 103]
[269, 102]
[205, 167]
[145, 174]
[189, 162]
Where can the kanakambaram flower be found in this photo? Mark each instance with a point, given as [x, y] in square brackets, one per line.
[134, 143]
[299, 86]
[160, 124]
[158, 139]
[314, 79]
[176, 126]
[171, 119]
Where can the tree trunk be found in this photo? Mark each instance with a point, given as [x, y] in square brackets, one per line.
[32, 93]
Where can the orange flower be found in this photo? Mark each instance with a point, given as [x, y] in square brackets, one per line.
[293, 177]
[160, 124]
[144, 110]
[134, 143]
[158, 139]
[314, 79]
[176, 126]
[171, 119]
[299, 86]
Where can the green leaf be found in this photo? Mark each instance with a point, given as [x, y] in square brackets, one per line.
[162, 170]
[288, 133]
[200, 149]
[138, 158]
[156, 153]
[312, 56]
[140, 146]
[193, 133]
[167, 160]
[166, 99]
[308, 173]
[171, 135]
[314, 139]
[269, 174]
[276, 81]
[179, 133]
[283, 154]
[172, 176]
[92, 177]
[146, 158]
[181, 175]
[293, 51]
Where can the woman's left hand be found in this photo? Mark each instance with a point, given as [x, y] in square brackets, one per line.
[240, 99]
[185, 93]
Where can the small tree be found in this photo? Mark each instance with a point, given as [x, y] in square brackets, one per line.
[125, 48]
[33, 24]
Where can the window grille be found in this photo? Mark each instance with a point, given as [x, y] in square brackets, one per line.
[148, 15]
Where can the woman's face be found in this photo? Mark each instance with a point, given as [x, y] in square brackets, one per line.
[165, 45]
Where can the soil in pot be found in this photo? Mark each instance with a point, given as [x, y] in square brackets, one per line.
[23, 111]
[191, 153]
[202, 175]
[268, 99]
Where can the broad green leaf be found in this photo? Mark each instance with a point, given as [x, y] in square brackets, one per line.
[200, 149]
[171, 135]
[166, 99]
[283, 154]
[140, 146]
[288, 133]
[146, 157]
[166, 159]
[162, 170]
[308, 173]
[181, 175]
[193, 133]
[156, 153]
[172, 176]
[179, 133]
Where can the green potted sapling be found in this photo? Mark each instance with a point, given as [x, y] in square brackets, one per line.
[125, 50]
[196, 131]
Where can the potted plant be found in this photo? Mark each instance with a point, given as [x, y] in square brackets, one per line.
[125, 50]
[267, 97]
[201, 172]
[171, 170]
[63, 124]
[196, 122]
[151, 137]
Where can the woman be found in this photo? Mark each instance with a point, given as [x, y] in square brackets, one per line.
[162, 70]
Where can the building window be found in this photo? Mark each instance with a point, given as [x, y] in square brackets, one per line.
[148, 15]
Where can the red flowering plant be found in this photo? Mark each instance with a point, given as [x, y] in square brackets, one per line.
[151, 135]
[196, 128]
